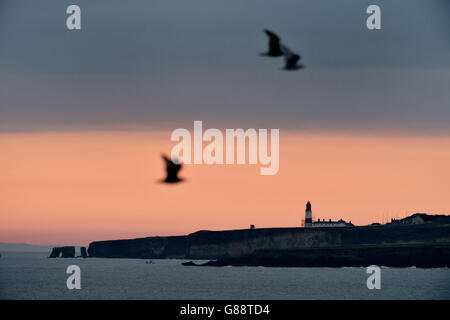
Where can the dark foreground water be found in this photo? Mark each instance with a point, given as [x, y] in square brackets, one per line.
[33, 276]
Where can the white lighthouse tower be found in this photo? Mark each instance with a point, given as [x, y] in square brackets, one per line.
[308, 215]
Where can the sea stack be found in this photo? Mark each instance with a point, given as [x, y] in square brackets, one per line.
[83, 252]
[65, 252]
[55, 252]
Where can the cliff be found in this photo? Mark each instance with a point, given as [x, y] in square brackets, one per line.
[235, 243]
[142, 248]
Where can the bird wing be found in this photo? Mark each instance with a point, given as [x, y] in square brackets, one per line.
[274, 41]
[272, 36]
[292, 61]
[171, 167]
[286, 51]
[291, 57]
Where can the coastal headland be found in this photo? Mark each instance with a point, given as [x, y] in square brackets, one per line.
[413, 237]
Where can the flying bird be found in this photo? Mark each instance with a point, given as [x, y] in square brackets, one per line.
[274, 45]
[291, 59]
[277, 49]
[172, 169]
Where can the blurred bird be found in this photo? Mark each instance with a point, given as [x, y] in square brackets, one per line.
[274, 45]
[172, 169]
[291, 59]
[276, 49]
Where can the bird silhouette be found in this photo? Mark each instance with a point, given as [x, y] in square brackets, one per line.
[277, 49]
[291, 59]
[172, 169]
[274, 45]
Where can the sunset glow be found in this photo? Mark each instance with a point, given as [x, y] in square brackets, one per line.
[77, 187]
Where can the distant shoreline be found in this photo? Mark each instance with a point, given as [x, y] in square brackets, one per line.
[23, 247]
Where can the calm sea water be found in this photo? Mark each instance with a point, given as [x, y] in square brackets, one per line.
[33, 276]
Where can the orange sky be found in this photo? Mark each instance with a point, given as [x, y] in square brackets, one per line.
[77, 187]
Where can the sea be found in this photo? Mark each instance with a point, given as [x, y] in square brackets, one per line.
[33, 276]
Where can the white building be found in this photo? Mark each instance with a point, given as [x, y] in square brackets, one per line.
[322, 224]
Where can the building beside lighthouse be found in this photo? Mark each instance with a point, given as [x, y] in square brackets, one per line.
[309, 223]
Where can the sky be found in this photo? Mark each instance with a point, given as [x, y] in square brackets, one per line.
[84, 115]
[156, 64]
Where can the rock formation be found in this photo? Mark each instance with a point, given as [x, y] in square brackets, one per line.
[56, 252]
[64, 252]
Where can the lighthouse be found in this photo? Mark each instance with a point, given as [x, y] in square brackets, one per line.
[322, 223]
[308, 215]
